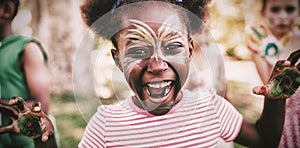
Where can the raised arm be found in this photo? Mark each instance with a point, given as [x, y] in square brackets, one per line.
[263, 68]
[284, 81]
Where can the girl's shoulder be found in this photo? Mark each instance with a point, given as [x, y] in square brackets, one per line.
[200, 95]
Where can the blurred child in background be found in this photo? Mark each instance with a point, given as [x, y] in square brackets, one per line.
[274, 39]
[23, 72]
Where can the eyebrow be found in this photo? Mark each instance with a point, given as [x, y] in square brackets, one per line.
[143, 41]
[143, 34]
[137, 41]
[169, 32]
[171, 35]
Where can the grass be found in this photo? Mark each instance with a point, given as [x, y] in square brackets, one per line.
[245, 102]
[248, 104]
[70, 123]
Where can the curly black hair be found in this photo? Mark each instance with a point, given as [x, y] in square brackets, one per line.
[92, 10]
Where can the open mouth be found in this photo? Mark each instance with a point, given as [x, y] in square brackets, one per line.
[159, 90]
[282, 26]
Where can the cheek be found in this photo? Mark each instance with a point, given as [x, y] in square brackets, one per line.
[181, 66]
[272, 19]
[132, 71]
[293, 17]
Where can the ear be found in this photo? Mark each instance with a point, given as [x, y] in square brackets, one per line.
[115, 55]
[8, 10]
[191, 47]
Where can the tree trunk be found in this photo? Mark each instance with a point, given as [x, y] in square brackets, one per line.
[57, 24]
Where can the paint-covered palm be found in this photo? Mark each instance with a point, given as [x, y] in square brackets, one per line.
[30, 122]
[285, 79]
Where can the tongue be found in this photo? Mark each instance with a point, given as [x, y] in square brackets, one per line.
[157, 92]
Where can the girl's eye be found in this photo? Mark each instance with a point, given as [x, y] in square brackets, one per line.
[275, 9]
[137, 51]
[290, 9]
[173, 46]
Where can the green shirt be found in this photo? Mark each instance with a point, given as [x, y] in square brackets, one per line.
[12, 76]
[13, 83]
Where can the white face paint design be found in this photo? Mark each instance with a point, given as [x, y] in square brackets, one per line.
[168, 44]
[281, 15]
[147, 47]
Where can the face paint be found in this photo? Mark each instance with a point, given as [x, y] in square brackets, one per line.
[281, 15]
[155, 60]
[168, 44]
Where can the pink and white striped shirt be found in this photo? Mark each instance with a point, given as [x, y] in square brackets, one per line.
[198, 120]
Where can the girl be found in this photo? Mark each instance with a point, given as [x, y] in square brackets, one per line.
[153, 50]
[275, 39]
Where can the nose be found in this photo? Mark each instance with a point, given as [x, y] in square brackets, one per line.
[157, 65]
[283, 15]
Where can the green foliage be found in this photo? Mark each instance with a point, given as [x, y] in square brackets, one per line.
[230, 52]
[69, 122]
[64, 97]
[243, 99]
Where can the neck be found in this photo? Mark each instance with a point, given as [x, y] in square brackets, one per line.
[5, 32]
[281, 36]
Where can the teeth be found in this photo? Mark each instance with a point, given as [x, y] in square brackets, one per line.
[160, 85]
[148, 92]
[167, 90]
[158, 90]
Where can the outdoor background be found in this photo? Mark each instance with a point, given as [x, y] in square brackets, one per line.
[58, 25]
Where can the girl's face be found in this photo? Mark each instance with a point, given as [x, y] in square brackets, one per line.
[4, 16]
[280, 16]
[153, 53]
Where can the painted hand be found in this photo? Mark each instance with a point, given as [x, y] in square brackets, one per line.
[30, 122]
[260, 41]
[284, 80]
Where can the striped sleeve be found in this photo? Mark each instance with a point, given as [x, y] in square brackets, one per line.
[230, 119]
[94, 134]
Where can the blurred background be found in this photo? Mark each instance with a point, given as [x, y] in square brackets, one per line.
[58, 25]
